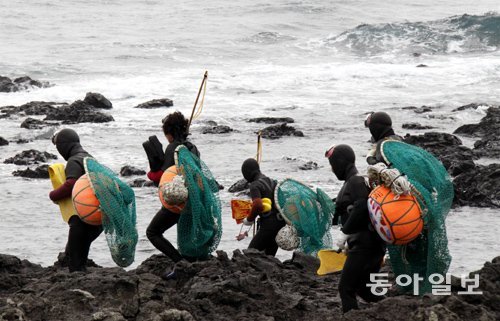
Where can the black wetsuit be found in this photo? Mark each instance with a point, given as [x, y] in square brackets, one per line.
[81, 234]
[269, 223]
[165, 219]
[365, 248]
[381, 129]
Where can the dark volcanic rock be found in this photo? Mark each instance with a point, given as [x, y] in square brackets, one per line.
[14, 272]
[30, 157]
[141, 182]
[219, 129]
[32, 108]
[19, 84]
[249, 286]
[211, 123]
[415, 126]
[131, 170]
[6, 85]
[32, 123]
[479, 187]
[418, 110]
[38, 108]
[79, 112]
[305, 165]
[423, 109]
[488, 147]
[3, 141]
[488, 126]
[469, 106]
[446, 147]
[239, 186]
[278, 131]
[156, 103]
[489, 131]
[39, 172]
[272, 120]
[310, 165]
[98, 101]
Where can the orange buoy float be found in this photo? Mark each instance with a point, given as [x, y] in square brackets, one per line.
[172, 192]
[86, 204]
[396, 218]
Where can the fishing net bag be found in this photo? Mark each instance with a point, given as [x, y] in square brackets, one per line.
[433, 188]
[199, 228]
[117, 204]
[310, 213]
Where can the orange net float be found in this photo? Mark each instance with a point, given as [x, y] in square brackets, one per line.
[172, 192]
[86, 204]
[396, 218]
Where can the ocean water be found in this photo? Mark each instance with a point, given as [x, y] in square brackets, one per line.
[323, 63]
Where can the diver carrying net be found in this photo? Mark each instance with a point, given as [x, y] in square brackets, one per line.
[308, 212]
[428, 253]
[117, 203]
[199, 228]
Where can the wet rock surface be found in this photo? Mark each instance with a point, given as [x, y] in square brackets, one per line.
[310, 165]
[39, 172]
[249, 286]
[32, 108]
[418, 110]
[416, 126]
[217, 129]
[156, 103]
[488, 130]
[239, 186]
[141, 182]
[30, 157]
[304, 165]
[97, 100]
[78, 112]
[468, 106]
[3, 142]
[271, 120]
[32, 123]
[20, 84]
[131, 170]
[479, 187]
[280, 130]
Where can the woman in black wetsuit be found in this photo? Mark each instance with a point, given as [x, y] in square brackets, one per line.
[81, 234]
[270, 223]
[175, 128]
[365, 248]
[380, 125]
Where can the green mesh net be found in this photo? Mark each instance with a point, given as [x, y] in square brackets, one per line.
[429, 253]
[309, 212]
[199, 228]
[117, 204]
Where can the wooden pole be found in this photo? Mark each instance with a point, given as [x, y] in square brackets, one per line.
[197, 97]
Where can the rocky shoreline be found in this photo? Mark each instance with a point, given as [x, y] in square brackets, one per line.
[475, 184]
[248, 286]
